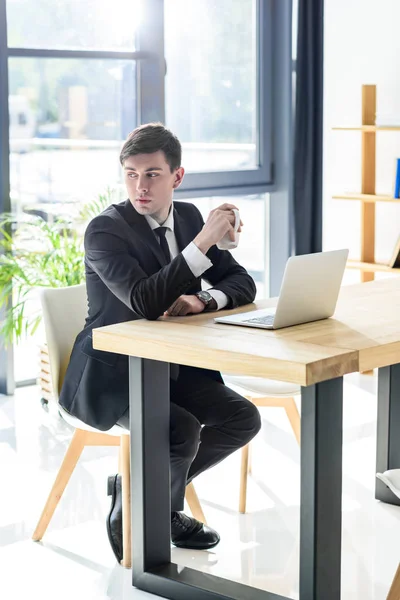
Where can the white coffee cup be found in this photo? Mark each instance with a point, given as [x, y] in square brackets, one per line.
[226, 243]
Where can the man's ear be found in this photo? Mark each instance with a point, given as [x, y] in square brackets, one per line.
[179, 175]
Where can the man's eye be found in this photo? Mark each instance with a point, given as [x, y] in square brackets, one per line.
[131, 175]
[152, 175]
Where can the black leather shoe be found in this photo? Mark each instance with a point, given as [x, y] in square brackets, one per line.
[187, 532]
[114, 519]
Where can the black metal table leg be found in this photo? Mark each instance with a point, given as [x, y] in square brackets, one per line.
[388, 429]
[150, 495]
[321, 490]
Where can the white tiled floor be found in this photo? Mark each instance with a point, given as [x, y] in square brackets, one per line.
[259, 548]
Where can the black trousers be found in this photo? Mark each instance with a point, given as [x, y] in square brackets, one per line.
[208, 421]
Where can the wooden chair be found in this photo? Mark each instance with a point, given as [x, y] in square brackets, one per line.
[263, 392]
[64, 313]
[394, 592]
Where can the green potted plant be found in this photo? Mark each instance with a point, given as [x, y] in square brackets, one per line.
[40, 254]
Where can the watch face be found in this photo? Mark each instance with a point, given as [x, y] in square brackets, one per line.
[204, 297]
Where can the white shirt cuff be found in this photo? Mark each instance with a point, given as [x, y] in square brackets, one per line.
[220, 298]
[196, 260]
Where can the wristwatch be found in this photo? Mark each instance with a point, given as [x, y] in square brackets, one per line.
[206, 299]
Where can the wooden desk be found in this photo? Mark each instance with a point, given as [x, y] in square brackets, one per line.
[364, 334]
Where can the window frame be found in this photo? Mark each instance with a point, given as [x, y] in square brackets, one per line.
[6, 353]
[222, 182]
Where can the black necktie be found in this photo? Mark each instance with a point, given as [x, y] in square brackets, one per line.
[160, 232]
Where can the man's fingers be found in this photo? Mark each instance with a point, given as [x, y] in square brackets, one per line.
[224, 208]
[227, 206]
[172, 308]
[178, 309]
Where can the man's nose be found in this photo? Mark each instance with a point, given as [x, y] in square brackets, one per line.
[142, 185]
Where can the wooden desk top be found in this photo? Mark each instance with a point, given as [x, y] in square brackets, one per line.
[363, 334]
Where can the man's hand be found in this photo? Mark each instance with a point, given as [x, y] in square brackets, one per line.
[185, 305]
[220, 221]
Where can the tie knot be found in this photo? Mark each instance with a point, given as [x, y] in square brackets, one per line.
[161, 231]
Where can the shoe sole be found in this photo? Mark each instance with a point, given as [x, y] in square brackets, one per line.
[112, 491]
[188, 547]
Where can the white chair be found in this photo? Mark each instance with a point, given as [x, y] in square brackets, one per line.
[264, 392]
[391, 479]
[64, 313]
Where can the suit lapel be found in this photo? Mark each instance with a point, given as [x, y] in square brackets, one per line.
[183, 233]
[143, 230]
[137, 223]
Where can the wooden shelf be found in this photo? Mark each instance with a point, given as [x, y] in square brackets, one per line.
[366, 198]
[367, 195]
[370, 267]
[368, 128]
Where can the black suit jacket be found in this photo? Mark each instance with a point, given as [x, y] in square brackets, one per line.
[127, 278]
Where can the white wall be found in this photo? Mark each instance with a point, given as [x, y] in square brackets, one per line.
[362, 46]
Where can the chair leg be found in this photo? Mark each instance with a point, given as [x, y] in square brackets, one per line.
[394, 592]
[120, 458]
[243, 479]
[252, 399]
[68, 465]
[250, 467]
[294, 417]
[126, 501]
[194, 503]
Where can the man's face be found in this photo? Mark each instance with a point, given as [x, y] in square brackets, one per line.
[150, 184]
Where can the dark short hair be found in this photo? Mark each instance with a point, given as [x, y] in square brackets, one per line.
[150, 138]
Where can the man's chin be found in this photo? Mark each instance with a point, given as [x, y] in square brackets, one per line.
[142, 209]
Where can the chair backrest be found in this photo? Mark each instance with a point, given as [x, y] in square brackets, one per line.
[64, 314]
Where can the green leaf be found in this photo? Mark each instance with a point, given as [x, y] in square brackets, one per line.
[35, 253]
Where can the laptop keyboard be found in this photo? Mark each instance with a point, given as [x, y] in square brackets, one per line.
[265, 320]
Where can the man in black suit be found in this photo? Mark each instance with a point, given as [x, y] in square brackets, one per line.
[145, 258]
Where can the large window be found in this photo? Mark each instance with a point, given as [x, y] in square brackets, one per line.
[251, 252]
[80, 74]
[72, 24]
[72, 82]
[217, 90]
[211, 82]
[68, 118]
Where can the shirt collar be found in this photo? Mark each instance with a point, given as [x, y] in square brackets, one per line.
[168, 223]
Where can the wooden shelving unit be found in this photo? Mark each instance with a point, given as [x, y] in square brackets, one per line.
[368, 128]
[371, 267]
[367, 197]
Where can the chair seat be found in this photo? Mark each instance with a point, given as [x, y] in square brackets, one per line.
[261, 386]
[391, 478]
[78, 424]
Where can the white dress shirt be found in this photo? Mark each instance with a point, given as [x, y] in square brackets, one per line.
[197, 262]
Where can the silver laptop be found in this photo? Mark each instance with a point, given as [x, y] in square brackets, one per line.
[309, 292]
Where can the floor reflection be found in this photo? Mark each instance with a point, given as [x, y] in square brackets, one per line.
[260, 548]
